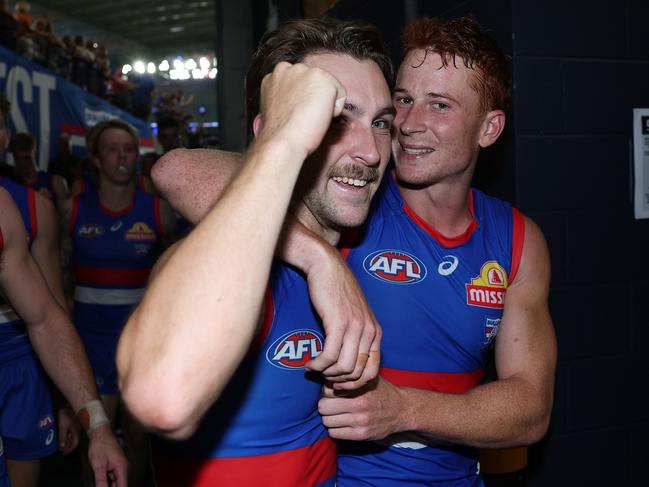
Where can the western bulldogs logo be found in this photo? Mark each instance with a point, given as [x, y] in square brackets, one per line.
[91, 230]
[294, 349]
[395, 267]
[491, 330]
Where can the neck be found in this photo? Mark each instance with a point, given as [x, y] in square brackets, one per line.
[308, 219]
[116, 197]
[28, 174]
[444, 206]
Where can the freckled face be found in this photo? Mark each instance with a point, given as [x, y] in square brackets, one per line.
[438, 122]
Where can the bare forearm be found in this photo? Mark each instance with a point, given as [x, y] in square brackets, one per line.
[61, 352]
[193, 180]
[499, 414]
[302, 248]
[235, 243]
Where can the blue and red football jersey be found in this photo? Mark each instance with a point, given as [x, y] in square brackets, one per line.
[13, 336]
[45, 186]
[113, 253]
[439, 302]
[265, 428]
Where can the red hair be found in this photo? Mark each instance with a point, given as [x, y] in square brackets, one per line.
[464, 38]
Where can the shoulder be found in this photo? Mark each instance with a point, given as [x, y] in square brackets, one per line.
[534, 265]
[10, 220]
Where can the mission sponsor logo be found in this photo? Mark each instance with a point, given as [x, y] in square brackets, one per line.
[489, 288]
[91, 230]
[294, 349]
[395, 267]
[140, 232]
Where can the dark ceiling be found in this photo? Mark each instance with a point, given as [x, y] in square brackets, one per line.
[158, 28]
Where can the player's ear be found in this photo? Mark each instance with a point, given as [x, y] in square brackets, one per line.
[256, 124]
[492, 126]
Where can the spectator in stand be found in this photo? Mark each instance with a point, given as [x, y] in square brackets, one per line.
[23, 148]
[141, 95]
[120, 91]
[82, 63]
[94, 74]
[103, 66]
[8, 27]
[68, 44]
[25, 44]
[22, 14]
[53, 52]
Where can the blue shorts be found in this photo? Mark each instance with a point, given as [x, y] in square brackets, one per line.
[101, 349]
[99, 327]
[26, 416]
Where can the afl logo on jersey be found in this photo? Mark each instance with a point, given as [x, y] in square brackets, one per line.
[90, 230]
[294, 349]
[395, 267]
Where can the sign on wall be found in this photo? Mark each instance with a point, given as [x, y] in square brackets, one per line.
[47, 105]
[641, 161]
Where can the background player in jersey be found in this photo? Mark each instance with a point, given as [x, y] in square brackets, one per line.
[23, 148]
[54, 340]
[203, 313]
[111, 238]
[450, 97]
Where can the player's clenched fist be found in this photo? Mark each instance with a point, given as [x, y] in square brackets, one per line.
[298, 103]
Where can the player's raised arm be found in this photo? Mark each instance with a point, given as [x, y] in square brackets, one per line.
[202, 308]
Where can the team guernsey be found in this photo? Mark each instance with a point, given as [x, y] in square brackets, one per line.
[45, 186]
[439, 302]
[265, 428]
[26, 416]
[113, 253]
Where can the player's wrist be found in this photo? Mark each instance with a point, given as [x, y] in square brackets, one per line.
[92, 416]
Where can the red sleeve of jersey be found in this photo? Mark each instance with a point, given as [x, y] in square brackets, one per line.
[31, 203]
[158, 216]
[518, 238]
[267, 321]
[73, 217]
